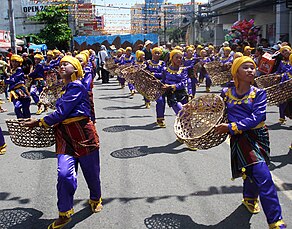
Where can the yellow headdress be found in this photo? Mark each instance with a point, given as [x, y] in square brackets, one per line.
[248, 48]
[157, 49]
[290, 59]
[76, 64]
[86, 53]
[178, 48]
[128, 49]
[211, 47]
[173, 52]
[82, 56]
[120, 50]
[17, 58]
[237, 63]
[39, 56]
[56, 51]
[189, 48]
[203, 50]
[285, 47]
[139, 54]
[200, 47]
[227, 49]
[237, 54]
[50, 52]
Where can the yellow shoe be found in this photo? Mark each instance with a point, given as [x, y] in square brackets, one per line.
[282, 120]
[95, 205]
[208, 89]
[132, 92]
[161, 122]
[147, 105]
[278, 225]
[252, 205]
[39, 111]
[3, 149]
[193, 148]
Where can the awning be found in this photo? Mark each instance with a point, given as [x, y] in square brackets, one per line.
[40, 47]
[19, 42]
[5, 45]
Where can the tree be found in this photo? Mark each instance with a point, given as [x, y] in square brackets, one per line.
[56, 33]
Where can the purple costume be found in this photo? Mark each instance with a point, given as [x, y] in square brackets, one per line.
[285, 68]
[156, 68]
[127, 60]
[74, 105]
[19, 94]
[2, 140]
[38, 82]
[192, 80]
[203, 72]
[250, 149]
[178, 78]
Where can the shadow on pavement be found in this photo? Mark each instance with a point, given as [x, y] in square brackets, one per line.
[278, 126]
[20, 218]
[4, 196]
[115, 97]
[123, 108]
[140, 151]
[123, 117]
[122, 128]
[283, 159]
[239, 219]
[38, 154]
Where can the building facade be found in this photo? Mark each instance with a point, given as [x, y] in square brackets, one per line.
[273, 18]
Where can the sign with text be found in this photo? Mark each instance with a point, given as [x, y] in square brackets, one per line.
[4, 36]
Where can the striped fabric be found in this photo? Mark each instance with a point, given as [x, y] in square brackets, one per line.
[77, 138]
[249, 148]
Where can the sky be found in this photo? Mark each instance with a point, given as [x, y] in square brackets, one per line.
[119, 19]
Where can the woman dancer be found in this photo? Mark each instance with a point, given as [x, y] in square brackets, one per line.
[283, 67]
[175, 80]
[249, 143]
[19, 94]
[2, 143]
[156, 67]
[76, 142]
[129, 59]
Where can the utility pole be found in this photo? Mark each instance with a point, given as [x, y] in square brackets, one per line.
[194, 22]
[164, 29]
[12, 25]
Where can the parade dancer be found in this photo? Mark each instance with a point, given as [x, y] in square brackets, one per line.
[249, 143]
[175, 80]
[283, 67]
[38, 83]
[156, 67]
[2, 143]
[76, 142]
[140, 61]
[19, 94]
[129, 59]
[117, 60]
[189, 62]
[87, 81]
[203, 73]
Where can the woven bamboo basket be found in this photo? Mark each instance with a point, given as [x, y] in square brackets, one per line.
[145, 83]
[130, 72]
[195, 123]
[49, 95]
[277, 92]
[219, 73]
[265, 81]
[111, 66]
[36, 137]
[2, 86]
[118, 71]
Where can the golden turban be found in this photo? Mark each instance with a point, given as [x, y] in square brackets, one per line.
[173, 52]
[82, 56]
[128, 49]
[157, 49]
[227, 49]
[237, 63]
[139, 54]
[290, 59]
[76, 64]
[285, 47]
[17, 58]
[39, 56]
[50, 52]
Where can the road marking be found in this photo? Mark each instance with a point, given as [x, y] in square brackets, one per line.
[278, 182]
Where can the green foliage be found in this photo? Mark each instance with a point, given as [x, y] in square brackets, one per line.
[56, 32]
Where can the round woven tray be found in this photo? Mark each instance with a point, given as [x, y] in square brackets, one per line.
[36, 137]
[148, 85]
[277, 92]
[49, 95]
[265, 81]
[129, 73]
[219, 73]
[111, 66]
[2, 86]
[195, 123]
[118, 71]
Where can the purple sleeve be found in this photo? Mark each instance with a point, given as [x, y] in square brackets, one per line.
[182, 84]
[257, 116]
[69, 100]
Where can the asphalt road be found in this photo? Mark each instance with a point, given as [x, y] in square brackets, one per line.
[149, 180]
